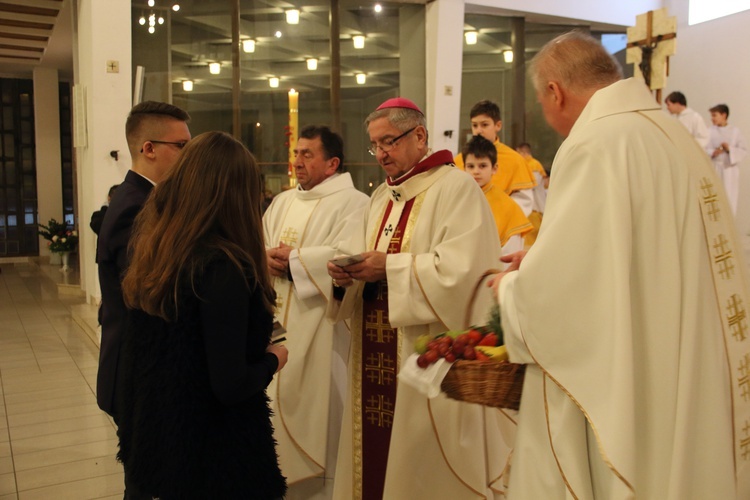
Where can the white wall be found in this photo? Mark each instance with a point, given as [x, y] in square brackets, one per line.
[622, 13]
[710, 67]
[104, 32]
[47, 139]
[443, 60]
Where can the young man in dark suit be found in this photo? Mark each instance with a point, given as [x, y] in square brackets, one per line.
[156, 132]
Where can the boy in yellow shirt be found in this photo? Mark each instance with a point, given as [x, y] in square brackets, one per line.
[540, 191]
[512, 175]
[481, 163]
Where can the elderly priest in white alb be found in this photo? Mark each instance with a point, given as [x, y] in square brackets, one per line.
[637, 379]
[428, 236]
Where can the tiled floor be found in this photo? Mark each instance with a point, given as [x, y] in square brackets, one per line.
[55, 443]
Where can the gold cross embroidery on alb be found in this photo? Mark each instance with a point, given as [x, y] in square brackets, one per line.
[289, 236]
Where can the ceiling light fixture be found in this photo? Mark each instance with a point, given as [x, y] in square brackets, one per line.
[378, 8]
[277, 34]
[508, 56]
[312, 64]
[471, 37]
[292, 16]
[248, 45]
[187, 85]
[214, 68]
[361, 78]
[358, 41]
[273, 82]
[152, 19]
[176, 7]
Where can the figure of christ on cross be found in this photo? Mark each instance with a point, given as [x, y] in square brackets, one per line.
[650, 43]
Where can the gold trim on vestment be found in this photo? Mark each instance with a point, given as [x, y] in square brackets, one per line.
[310, 277]
[551, 442]
[291, 437]
[442, 452]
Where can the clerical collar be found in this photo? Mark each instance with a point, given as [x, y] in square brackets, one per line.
[300, 188]
[442, 157]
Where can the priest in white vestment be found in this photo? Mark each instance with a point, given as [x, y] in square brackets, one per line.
[727, 148]
[428, 236]
[302, 229]
[637, 370]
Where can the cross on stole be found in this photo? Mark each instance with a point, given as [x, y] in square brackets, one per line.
[650, 43]
[379, 411]
[723, 257]
[736, 316]
[377, 328]
[710, 199]
[380, 368]
[744, 378]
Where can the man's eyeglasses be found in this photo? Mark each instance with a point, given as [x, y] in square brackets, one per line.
[387, 144]
[180, 144]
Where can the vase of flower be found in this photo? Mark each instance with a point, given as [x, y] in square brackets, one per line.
[61, 240]
[65, 259]
[55, 259]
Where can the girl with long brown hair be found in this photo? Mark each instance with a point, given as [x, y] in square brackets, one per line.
[197, 355]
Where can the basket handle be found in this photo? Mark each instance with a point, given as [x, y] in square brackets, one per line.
[470, 305]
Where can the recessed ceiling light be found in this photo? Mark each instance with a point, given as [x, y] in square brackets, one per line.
[187, 85]
[292, 16]
[248, 45]
[312, 64]
[273, 82]
[361, 78]
[471, 37]
[214, 68]
[358, 41]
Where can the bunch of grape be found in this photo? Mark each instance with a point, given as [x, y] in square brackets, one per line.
[453, 345]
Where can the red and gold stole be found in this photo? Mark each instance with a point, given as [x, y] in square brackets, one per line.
[380, 342]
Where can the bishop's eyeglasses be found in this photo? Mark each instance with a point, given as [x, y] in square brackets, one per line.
[388, 144]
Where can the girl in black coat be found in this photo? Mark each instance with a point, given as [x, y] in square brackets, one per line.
[197, 355]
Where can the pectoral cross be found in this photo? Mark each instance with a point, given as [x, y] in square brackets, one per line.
[396, 194]
[650, 43]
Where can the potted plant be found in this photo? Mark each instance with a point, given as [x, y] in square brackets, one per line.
[61, 239]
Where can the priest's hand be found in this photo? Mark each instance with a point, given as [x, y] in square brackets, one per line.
[278, 260]
[371, 269]
[514, 262]
[339, 275]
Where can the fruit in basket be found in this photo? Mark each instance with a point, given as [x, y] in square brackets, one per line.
[420, 345]
[474, 335]
[497, 353]
[489, 340]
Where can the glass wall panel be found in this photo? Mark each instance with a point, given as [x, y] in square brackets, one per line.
[277, 55]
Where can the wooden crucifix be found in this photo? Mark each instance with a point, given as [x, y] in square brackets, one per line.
[650, 43]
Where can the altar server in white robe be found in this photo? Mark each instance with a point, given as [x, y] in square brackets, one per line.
[302, 228]
[428, 236]
[727, 148]
[676, 103]
[637, 371]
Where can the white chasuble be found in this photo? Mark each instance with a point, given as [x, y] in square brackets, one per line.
[635, 338]
[313, 222]
[439, 448]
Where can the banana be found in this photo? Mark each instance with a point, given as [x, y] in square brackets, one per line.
[499, 353]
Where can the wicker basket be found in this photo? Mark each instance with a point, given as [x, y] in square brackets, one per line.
[488, 383]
